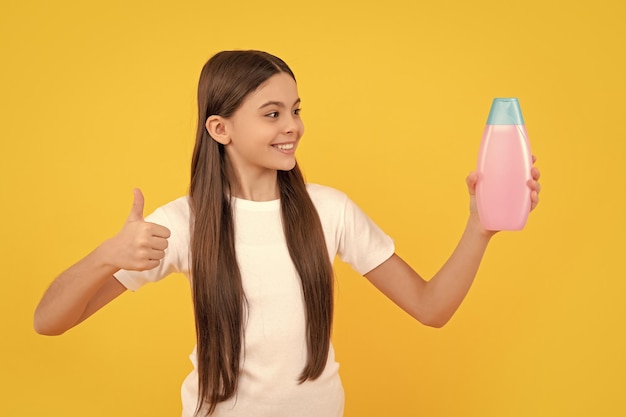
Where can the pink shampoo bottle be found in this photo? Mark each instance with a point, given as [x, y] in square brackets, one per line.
[504, 164]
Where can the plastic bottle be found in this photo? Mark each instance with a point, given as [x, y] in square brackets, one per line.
[504, 164]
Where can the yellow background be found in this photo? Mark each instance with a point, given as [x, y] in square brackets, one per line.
[98, 97]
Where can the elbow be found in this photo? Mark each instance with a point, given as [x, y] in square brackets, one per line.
[435, 324]
[433, 314]
[47, 331]
[44, 328]
[436, 321]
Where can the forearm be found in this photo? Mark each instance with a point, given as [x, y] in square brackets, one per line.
[434, 302]
[449, 286]
[66, 300]
[89, 284]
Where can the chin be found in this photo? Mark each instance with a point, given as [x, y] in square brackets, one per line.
[287, 166]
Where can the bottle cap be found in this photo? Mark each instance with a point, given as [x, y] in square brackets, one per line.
[505, 111]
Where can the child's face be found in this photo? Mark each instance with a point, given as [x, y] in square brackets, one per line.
[265, 130]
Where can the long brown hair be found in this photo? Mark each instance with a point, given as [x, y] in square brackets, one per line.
[219, 300]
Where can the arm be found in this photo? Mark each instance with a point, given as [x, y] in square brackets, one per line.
[434, 302]
[89, 284]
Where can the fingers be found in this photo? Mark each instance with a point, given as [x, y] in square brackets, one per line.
[152, 240]
[534, 185]
[145, 251]
[157, 243]
[146, 264]
[535, 173]
[534, 199]
[150, 255]
[136, 212]
[471, 180]
[160, 231]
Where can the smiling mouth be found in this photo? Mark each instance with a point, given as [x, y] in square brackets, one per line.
[285, 147]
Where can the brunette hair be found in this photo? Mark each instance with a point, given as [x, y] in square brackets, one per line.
[219, 300]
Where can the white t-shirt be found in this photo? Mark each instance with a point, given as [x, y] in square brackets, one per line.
[275, 336]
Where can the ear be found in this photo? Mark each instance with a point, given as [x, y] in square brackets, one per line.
[216, 126]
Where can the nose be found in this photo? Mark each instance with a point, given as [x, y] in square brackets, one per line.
[294, 126]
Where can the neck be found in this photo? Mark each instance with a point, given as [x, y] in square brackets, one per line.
[262, 187]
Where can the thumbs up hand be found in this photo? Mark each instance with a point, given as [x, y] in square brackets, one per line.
[140, 245]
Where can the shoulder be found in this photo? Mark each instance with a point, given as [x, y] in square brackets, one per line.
[324, 195]
[330, 204]
[180, 206]
[174, 213]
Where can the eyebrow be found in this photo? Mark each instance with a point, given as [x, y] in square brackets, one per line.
[278, 103]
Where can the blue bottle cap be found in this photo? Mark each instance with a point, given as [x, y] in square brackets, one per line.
[505, 111]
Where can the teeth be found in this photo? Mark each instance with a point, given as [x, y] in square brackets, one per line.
[285, 147]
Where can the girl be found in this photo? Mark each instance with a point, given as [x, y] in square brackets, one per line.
[257, 244]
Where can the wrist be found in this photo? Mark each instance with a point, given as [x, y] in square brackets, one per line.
[105, 255]
[475, 227]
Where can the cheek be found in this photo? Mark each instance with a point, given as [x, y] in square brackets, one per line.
[245, 135]
[301, 128]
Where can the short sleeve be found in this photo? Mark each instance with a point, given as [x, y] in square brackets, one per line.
[174, 216]
[362, 244]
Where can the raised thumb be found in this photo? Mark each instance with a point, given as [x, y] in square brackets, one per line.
[136, 212]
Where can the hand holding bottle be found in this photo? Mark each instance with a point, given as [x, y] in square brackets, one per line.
[533, 185]
[505, 169]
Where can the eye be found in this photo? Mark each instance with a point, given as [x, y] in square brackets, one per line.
[297, 111]
[273, 114]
